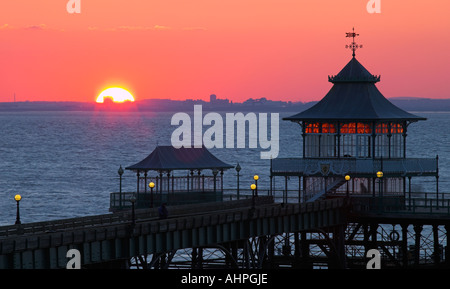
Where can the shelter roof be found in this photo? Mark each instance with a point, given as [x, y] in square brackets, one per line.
[170, 158]
[354, 96]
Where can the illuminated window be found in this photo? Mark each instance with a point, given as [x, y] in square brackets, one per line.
[353, 127]
[312, 127]
[328, 128]
[381, 128]
[364, 128]
[320, 128]
[396, 128]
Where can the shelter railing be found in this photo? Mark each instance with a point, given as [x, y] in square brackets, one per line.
[146, 200]
[355, 166]
[188, 183]
[411, 203]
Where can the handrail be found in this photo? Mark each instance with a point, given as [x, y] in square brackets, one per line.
[70, 223]
[402, 205]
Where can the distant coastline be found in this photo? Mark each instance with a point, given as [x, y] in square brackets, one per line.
[261, 104]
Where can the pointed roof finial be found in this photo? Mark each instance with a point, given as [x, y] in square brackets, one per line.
[353, 46]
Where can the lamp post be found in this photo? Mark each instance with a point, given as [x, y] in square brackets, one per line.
[133, 216]
[18, 198]
[151, 185]
[238, 169]
[120, 172]
[380, 189]
[380, 179]
[256, 178]
[253, 187]
[347, 179]
[215, 171]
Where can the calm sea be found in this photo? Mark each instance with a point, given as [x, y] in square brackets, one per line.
[64, 164]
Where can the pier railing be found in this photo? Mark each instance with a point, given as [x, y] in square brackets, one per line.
[411, 203]
[123, 199]
[355, 167]
[52, 226]
[147, 200]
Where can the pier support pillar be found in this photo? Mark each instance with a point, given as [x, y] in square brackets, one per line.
[304, 249]
[404, 245]
[197, 258]
[373, 233]
[437, 249]
[297, 252]
[447, 247]
[417, 231]
[339, 241]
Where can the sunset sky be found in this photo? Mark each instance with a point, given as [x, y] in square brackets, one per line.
[236, 49]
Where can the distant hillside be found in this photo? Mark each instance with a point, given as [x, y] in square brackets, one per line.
[257, 105]
[421, 104]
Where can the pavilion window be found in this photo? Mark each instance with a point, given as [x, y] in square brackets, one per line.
[328, 128]
[312, 145]
[389, 140]
[328, 145]
[363, 146]
[318, 127]
[397, 146]
[312, 127]
[381, 146]
[356, 127]
[348, 142]
[396, 128]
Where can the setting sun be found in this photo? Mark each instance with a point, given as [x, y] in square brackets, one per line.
[117, 94]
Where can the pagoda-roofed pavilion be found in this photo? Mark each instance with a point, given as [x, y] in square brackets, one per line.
[190, 185]
[354, 130]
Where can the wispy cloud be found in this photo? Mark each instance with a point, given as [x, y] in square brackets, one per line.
[134, 28]
[42, 26]
[5, 26]
[143, 28]
[28, 27]
[161, 27]
[37, 27]
[131, 28]
[195, 28]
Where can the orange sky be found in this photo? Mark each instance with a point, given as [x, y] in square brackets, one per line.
[236, 49]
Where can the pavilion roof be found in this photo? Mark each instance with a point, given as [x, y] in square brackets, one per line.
[353, 97]
[170, 158]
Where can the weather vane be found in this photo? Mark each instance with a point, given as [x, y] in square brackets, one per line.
[353, 46]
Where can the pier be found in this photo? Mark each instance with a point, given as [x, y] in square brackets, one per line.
[113, 240]
[249, 233]
[354, 194]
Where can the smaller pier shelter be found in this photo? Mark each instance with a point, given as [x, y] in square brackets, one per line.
[178, 176]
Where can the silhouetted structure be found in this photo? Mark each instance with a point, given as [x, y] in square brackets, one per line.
[192, 186]
[354, 130]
